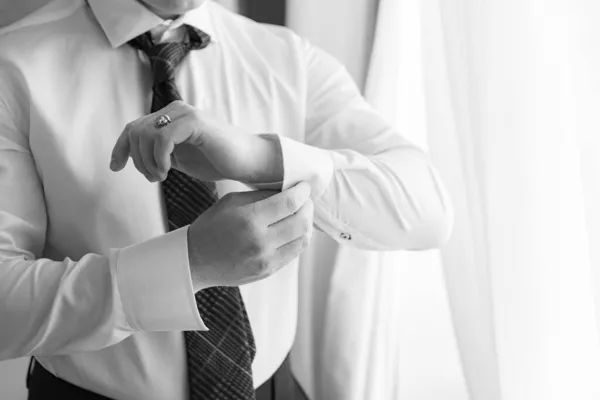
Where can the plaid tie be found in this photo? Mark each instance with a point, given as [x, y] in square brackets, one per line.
[219, 360]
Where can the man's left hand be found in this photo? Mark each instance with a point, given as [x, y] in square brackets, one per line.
[197, 145]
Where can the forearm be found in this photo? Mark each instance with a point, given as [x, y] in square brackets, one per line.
[269, 172]
[61, 307]
[49, 308]
[373, 189]
[390, 200]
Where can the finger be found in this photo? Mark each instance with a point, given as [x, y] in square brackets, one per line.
[290, 251]
[182, 122]
[284, 204]
[120, 153]
[146, 149]
[250, 197]
[163, 148]
[293, 227]
[137, 157]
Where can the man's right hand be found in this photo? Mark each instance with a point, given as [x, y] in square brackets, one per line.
[248, 236]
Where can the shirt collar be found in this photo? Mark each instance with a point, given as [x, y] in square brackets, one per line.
[122, 20]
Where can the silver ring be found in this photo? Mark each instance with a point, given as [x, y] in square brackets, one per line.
[162, 121]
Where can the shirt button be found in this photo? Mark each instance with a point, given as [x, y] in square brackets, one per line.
[346, 236]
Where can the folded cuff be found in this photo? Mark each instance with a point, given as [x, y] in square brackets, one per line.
[302, 162]
[156, 286]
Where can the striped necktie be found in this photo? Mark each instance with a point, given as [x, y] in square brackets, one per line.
[219, 360]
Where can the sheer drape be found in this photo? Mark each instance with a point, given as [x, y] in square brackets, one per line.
[375, 325]
[504, 85]
[505, 95]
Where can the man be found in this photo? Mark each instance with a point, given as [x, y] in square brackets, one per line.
[133, 280]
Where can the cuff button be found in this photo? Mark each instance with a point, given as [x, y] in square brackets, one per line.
[346, 236]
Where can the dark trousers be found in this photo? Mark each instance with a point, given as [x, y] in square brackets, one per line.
[43, 385]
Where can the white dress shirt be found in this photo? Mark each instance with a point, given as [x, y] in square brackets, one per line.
[90, 283]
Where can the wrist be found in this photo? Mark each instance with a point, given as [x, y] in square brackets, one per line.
[199, 281]
[268, 158]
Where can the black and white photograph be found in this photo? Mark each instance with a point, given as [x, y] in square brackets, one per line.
[299, 200]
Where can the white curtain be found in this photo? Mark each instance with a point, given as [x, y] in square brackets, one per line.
[510, 90]
[505, 95]
[379, 328]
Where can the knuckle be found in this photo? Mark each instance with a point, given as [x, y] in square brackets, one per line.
[153, 173]
[248, 225]
[129, 127]
[138, 165]
[194, 114]
[257, 243]
[162, 174]
[261, 267]
[290, 203]
[161, 169]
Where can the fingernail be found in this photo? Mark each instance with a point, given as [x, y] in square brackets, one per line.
[113, 164]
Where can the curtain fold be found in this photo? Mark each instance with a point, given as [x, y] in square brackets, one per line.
[583, 51]
[505, 97]
[375, 325]
[503, 105]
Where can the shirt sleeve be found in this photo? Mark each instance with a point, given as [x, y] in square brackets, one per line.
[50, 307]
[372, 188]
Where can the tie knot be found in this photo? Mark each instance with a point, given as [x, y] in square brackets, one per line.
[164, 57]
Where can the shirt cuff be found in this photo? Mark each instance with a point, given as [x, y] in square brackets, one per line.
[302, 162]
[155, 282]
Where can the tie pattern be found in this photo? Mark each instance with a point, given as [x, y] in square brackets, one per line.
[219, 360]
